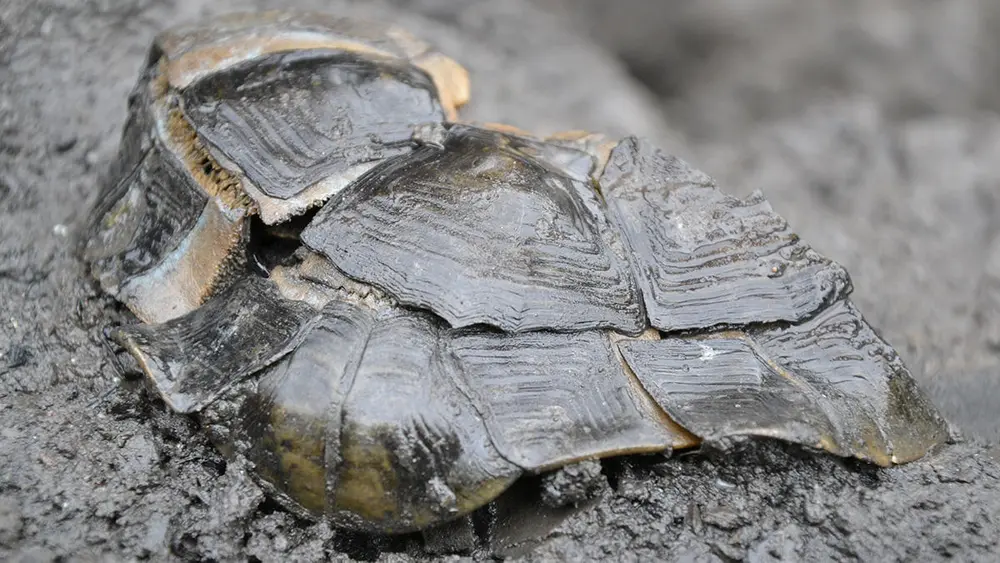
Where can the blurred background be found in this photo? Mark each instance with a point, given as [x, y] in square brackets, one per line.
[723, 65]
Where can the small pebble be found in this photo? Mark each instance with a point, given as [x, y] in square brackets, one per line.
[694, 520]
[722, 518]
[723, 484]
[46, 27]
[814, 512]
[65, 144]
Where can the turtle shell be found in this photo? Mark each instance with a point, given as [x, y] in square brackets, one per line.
[394, 315]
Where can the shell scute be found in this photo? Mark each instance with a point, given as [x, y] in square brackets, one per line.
[482, 232]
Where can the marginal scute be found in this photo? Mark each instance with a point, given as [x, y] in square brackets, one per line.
[704, 258]
[158, 206]
[828, 383]
[136, 140]
[290, 425]
[191, 359]
[197, 50]
[160, 245]
[415, 450]
[680, 437]
[484, 230]
[300, 126]
[839, 353]
[554, 398]
[207, 260]
[723, 388]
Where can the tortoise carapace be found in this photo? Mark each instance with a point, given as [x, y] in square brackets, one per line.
[401, 313]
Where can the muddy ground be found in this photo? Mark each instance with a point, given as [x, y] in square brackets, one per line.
[882, 152]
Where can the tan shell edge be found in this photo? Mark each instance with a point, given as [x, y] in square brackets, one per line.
[200, 62]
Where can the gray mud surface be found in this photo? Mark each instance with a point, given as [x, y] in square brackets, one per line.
[907, 200]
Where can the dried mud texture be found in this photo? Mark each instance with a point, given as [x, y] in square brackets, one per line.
[770, 503]
[91, 468]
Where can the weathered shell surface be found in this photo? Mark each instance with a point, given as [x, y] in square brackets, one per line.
[482, 232]
[395, 316]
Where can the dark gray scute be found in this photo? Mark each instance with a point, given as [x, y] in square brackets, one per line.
[408, 406]
[136, 140]
[146, 217]
[863, 378]
[480, 232]
[722, 388]
[289, 426]
[290, 120]
[195, 357]
[553, 398]
[829, 382]
[704, 258]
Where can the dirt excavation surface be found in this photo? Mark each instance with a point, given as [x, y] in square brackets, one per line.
[92, 469]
